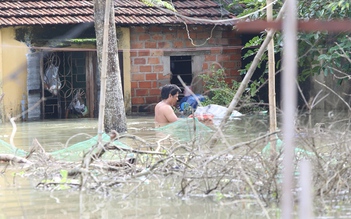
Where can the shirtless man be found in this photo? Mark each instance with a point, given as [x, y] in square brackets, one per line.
[164, 113]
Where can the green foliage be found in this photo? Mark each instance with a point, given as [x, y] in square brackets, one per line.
[318, 52]
[159, 3]
[220, 92]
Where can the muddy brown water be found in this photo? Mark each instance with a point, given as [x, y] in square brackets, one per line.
[19, 197]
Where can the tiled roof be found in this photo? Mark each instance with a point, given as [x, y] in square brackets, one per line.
[128, 12]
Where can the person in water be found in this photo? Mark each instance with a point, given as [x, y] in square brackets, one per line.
[164, 113]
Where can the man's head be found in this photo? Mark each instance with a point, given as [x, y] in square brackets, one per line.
[169, 89]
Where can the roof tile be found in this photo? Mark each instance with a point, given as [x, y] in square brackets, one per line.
[127, 12]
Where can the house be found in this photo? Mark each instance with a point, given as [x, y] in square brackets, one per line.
[45, 42]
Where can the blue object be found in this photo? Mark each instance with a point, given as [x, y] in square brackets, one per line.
[190, 101]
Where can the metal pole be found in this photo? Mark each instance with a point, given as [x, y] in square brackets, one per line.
[305, 197]
[289, 91]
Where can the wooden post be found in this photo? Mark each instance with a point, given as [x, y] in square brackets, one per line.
[103, 71]
[271, 85]
[90, 87]
[42, 84]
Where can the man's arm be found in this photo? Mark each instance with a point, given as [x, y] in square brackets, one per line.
[170, 115]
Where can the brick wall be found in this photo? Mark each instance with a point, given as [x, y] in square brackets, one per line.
[148, 48]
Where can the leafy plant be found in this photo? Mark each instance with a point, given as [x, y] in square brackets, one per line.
[217, 90]
[220, 92]
[319, 51]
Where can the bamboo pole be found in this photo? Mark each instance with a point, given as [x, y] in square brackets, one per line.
[250, 72]
[103, 71]
[289, 91]
[271, 85]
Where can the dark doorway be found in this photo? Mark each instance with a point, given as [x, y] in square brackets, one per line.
[72, 79]
[78, 76]
[181, 65]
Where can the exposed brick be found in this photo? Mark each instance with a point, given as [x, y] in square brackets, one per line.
[154, 84]
[156, 52]
[144, 84]
[178, 44]
[133, 53]
[193, 35]
[139, 61]
[152, 99]
[201, 28]
[229, 64]
[230, 50]
[189, 44]
[157, 37]
[221, 58]
[156, 29]
[160, 76]
[143, 37]
[137, 45]
[153, 60]
[134, 68]
[142, 92]
[145, 68]
[237, 64]
[234, 41]
[151, 45]
[138, 77]
[205, 65]
[169, 36]
[138, 100]
[223, 41]
[144, 52]
[229, 33]
[133, 37]
[235, 57]
[235, 73]
[210, 58]
[157, 68]
[137, 29]
[228, 80]
[203, 35]
[216, 50]
[134, 84]
[162, 45]
[212, 41]
[151, 76]
[155, 91]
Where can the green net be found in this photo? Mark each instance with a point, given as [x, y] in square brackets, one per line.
[6, 148]
[77, 151]
[187, 130]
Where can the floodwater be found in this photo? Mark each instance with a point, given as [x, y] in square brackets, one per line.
[19, 197]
